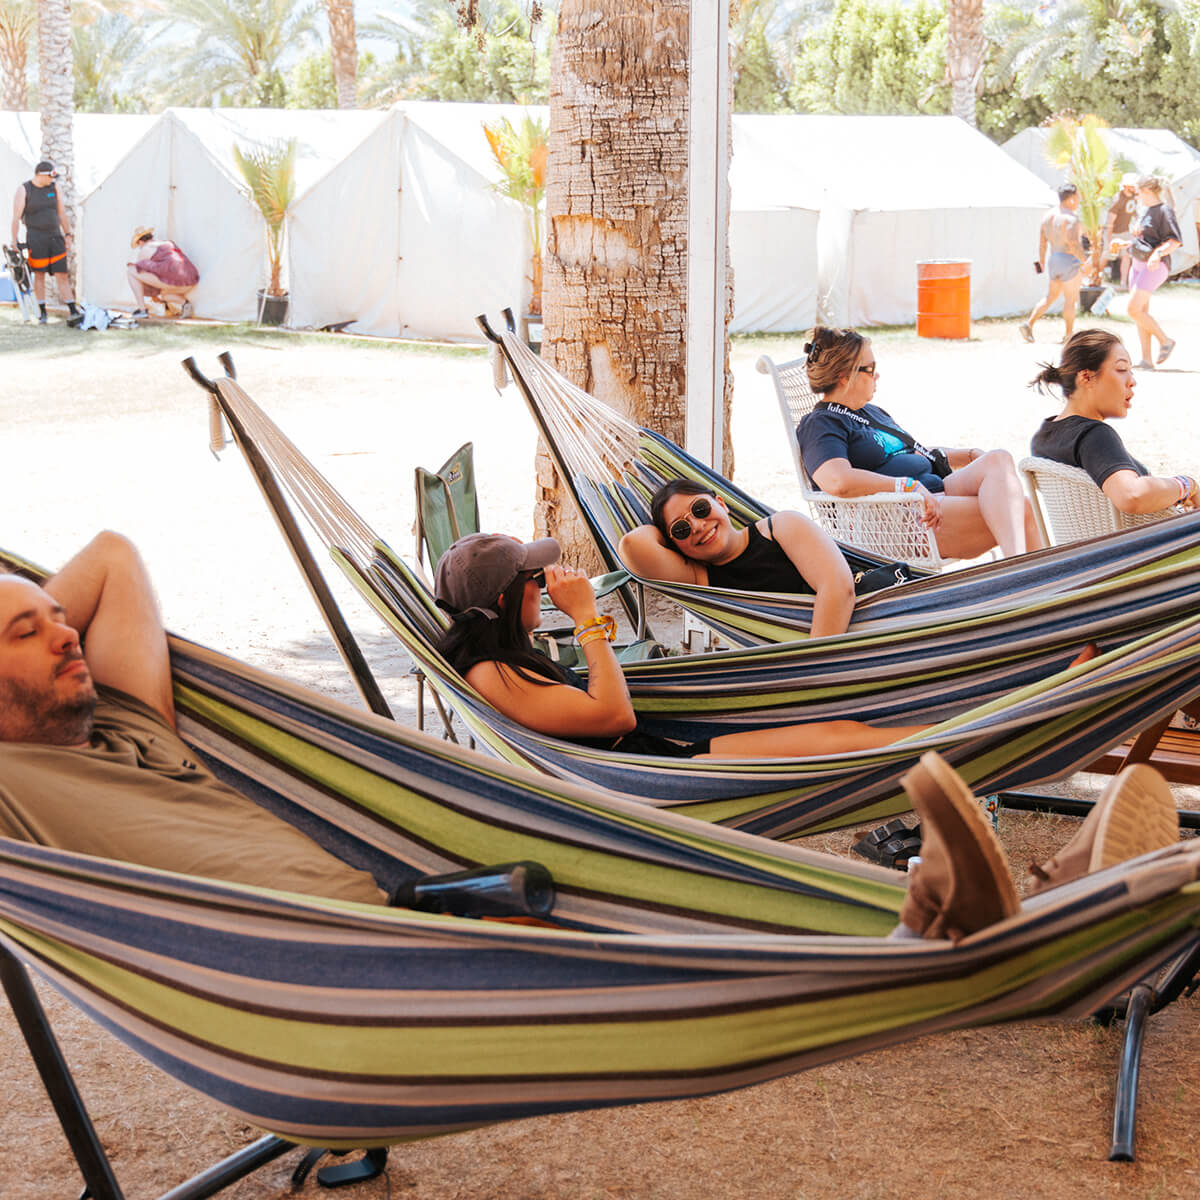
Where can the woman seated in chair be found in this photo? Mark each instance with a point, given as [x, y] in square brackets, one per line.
[692, 540]
[491, 587]
[973, 500]
[1095, 376]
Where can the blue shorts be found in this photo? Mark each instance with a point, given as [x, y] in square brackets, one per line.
[1063, 267]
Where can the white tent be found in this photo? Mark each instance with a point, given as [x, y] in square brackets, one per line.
[1148, 151]
[423, 241]
[101, 140]
[774, 212]
[902, 189]
[181, 179]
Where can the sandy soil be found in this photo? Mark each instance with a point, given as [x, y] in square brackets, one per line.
[104, 430]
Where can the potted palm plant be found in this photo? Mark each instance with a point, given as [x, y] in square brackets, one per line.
[1079, 145]
[520, 152]
[270, 174]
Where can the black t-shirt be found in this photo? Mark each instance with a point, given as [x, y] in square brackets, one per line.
[1122, 210]
[837, 432]
[1159, 225]
[1082, 442]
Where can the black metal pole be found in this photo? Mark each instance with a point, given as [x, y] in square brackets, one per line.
[56, 1076]
[347, 647]
[229, 1170]
[1125, 1106]
[1063, 806]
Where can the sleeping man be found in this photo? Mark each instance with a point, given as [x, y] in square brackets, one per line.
[90, 761]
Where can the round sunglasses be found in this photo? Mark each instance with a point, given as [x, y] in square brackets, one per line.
[681, 530]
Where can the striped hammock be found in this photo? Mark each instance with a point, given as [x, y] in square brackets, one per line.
[687, 958]
[990, 675]
[613, 468]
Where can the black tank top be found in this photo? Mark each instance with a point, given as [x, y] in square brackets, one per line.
[762, 567]
[41, 208]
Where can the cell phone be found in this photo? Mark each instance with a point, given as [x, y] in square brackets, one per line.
[1037, 267]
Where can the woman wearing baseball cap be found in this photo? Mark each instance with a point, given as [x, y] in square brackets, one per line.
[491, 586]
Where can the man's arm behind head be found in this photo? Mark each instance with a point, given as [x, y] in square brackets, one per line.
[108, 599]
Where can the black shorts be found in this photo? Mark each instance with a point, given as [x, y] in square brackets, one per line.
[47, 252]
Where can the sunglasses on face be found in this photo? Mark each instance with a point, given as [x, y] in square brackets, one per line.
[538, 577]
[868, 369]
[681, 530]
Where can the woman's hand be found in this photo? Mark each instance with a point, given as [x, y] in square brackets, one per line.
[931, 512]
[572, 593]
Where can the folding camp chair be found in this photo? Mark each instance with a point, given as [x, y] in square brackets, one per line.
[1069, 507]
[888, 524]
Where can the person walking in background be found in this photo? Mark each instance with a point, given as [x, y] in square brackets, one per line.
[39, 204]
[1062, 236]
[160, 271]
[1157, 235]
[1121, 217]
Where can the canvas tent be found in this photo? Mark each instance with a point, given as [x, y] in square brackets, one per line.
[101, 141]
[1146, 151]
[425, 241]
[774, 212]
[902, 189]
[181, 179]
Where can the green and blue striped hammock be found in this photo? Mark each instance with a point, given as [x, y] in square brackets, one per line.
[687, 958]
[613, 468]
[989, 676]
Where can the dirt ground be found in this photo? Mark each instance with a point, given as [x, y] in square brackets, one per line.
[104, 430]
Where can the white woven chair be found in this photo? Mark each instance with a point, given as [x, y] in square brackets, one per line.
[1069, 506]
[887, 524]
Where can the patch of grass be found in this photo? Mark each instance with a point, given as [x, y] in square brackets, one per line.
[59, 339]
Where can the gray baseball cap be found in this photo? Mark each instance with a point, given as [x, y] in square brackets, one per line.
[477, 568]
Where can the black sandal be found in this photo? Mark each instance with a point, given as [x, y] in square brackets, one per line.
[890, 845]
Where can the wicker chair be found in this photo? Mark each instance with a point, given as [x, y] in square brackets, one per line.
[888, 524]
[1070, 507]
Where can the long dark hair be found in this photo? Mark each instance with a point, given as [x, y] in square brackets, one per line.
[473, 638]
[1087, 350]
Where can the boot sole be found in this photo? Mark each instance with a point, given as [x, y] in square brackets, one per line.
[1139, 815]
[934, 784]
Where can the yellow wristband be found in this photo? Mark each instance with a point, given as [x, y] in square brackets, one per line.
[597, 627]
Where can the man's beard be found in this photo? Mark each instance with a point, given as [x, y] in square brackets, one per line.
[31, 715]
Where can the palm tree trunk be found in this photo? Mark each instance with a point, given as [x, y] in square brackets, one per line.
[964, 55]
[615, 279]
[16, 28]
[344, 49]
[56, 89]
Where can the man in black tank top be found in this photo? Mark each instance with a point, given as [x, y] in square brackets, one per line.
[39, 204]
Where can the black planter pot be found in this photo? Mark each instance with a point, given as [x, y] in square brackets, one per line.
[1088, 295]
[272, 310]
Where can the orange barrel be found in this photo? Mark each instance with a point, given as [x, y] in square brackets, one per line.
[944, 298]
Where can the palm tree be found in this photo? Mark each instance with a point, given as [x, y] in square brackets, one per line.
[108, 51]
[239, 49]
[344, 49]
[56, 93]
[17, 20]
[965, 46]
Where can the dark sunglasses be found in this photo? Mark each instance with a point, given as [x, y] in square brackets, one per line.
[681, 530]
[538, 577]
[869, 369]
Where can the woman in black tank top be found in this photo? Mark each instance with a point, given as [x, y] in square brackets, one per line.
[781, 553]
[491, 586]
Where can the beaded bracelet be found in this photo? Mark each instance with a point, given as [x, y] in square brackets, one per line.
[598, 627]
[1186, 486]
[905, 483]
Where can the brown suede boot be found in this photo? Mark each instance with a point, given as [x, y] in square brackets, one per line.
[962, 883]
[1135, 814]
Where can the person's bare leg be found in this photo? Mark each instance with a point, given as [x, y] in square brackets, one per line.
[135, 286]
[1139, 304]
[39, 286]
[807, 741]
[1070, 300]
[1043, 305]
[993, 480]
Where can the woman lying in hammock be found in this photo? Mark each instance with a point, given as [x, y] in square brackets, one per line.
[973, 499]
[491, 586]
[692, 540]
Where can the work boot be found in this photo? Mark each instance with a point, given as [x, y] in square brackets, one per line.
[1135, 814]
[962, 883]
